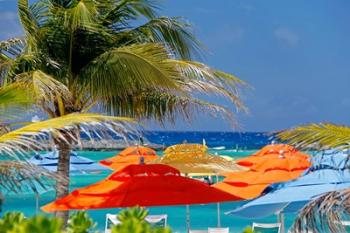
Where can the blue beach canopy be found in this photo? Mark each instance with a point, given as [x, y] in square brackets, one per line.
[78, 164]
[329, 174]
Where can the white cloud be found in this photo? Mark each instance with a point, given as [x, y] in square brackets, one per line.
[287, 36]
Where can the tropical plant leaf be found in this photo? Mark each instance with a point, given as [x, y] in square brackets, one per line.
[162, 106]
[44, 87]
[325, 213]
[16, 176]
[29, 24]
[174, 32]
[18, 143]
[125, 70]
[323, 135]
[14, 98]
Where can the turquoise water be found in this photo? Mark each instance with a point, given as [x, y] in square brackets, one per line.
[202, 216]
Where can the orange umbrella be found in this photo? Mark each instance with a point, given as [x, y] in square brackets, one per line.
[265, 169]
[250, 184]
[271, 152]
[130, 155]
[141, 185]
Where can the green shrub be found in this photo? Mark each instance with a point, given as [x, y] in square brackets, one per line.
[40, 224]
[10, 220]
[132, 220]
[80, 222]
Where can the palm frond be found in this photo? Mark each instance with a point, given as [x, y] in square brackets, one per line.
[11, 48]
[162, 106]
[16, 177]
[319, 135]
[126, 10]
[14, 94]
[44, 87]
[81, 15]
[201, 78]
[325, 213]
[18, 143]
[14, 98]
[29, 24]
[173, 32]
[124, 70]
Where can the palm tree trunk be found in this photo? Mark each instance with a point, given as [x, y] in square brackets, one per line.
[62, 185]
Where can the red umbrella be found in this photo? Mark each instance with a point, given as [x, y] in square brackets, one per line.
[141, 185]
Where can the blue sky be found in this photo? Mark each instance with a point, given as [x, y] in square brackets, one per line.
[295, 54]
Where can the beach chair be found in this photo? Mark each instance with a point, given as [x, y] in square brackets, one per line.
[111, 219]
[198, 231]
[218, 230]
[157, 220]
[267, 227]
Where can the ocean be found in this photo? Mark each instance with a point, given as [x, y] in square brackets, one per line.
[236, 145]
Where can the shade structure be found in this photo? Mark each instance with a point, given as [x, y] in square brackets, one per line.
[141, 185]
[78, 164]
[130, 155]
[265, 169]
[289, 197]
[193, 159]
[272, 152]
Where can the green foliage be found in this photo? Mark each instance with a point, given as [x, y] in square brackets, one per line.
[132, 220]
[322, 135]
[40, 224]
[10, 220]
[136, 213]
[99, 58]
[249, 229]
[14, 222]
[80, 222]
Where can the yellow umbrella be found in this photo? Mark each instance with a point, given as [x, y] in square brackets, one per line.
[193, 160]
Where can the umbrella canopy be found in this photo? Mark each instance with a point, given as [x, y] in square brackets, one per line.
[265, 169]
[141, 185]
[293, 195]
[193, 159]
[78, 164]
[273, 152]
[130, 155]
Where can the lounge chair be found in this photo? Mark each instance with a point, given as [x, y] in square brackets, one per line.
[218, 230]
[154, 220]
[267, 227]
[198, 231]
[111, 219]
[157, 220]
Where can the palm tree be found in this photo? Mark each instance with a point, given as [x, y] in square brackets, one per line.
[17, 175]
[324, 213]
[118, 56]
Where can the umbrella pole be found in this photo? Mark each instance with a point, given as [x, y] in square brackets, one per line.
[281, 220]
[188, 225]
[218, 207]
[218, 212]
[36, 203]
